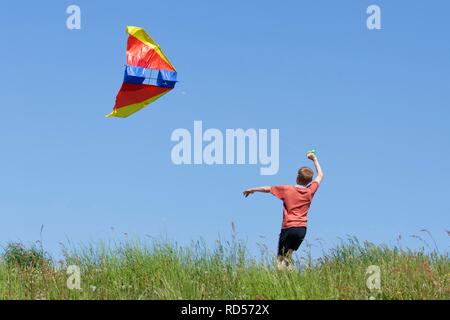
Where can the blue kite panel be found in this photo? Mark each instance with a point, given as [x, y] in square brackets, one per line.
[166, 79]
[135, 75]
[168, 75]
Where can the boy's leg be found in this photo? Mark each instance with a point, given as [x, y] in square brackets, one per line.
[281, 264]
[294, 238]
[289, 261]
[284, 262]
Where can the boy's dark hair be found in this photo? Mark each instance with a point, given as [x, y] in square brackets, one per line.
[304, 176]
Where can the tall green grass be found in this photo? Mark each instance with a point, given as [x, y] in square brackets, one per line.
[161, 270]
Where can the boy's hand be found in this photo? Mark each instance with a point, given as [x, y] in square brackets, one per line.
[311, 156]
[248, 192]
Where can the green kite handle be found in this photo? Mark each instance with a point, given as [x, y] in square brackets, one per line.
[313, 151]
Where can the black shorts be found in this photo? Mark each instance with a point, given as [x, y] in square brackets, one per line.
[290, 239]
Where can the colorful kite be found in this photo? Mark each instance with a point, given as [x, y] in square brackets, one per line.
[148, 74]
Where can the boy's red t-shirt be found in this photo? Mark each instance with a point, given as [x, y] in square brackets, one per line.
[296, 203]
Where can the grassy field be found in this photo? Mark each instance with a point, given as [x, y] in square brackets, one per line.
[165, 271]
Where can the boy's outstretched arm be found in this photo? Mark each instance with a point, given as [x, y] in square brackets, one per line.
[258, 189]
[314, 159]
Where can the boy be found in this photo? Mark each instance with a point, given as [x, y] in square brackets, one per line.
[296, 202]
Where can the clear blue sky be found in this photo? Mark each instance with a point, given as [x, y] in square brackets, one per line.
[374, 103]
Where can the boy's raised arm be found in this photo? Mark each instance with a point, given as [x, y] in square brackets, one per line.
[258, 189]
[314, 159]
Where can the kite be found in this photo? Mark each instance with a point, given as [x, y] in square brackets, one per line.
[148, 74]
